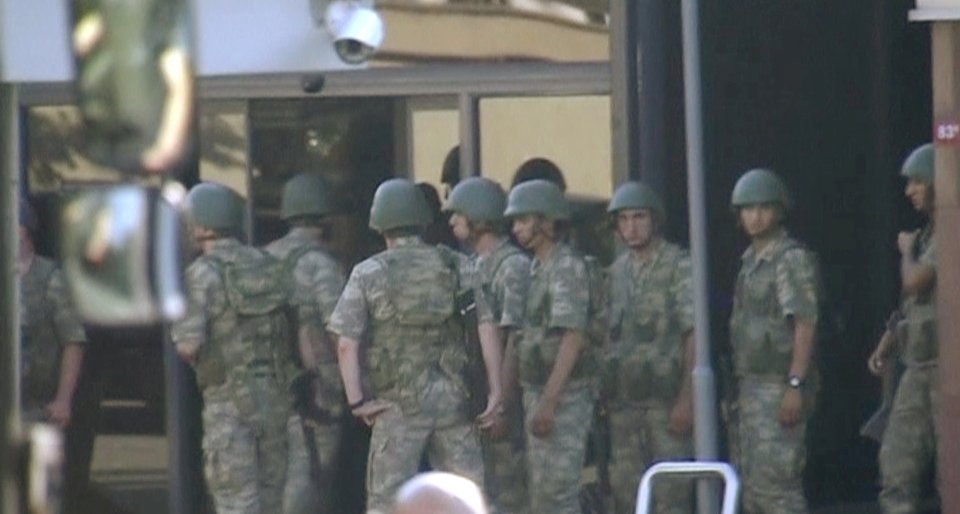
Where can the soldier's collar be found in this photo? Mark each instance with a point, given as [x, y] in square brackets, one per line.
[407, 241]
[767, 252]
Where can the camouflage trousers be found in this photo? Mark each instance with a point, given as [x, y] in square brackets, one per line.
[909, 446]
[308, 490]
[770, 458]
[555, 463]
[639, 438]
[504, 466]
[440, 428]
[244, 464]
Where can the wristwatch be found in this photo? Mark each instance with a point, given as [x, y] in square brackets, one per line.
[794, 382]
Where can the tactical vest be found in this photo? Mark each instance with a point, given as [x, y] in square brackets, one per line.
[920, 316]
[645, 358]
[419, 331]
[40, 348]
[540, 343]
[762, 337]
[251, 337]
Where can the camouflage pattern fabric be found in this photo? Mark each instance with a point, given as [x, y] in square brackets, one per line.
[558, 299]
[909, 447]
[396, 303]
[776, 284]
[638, 439]
[246, 414]
[651, 309]
[503, 277]
[305, 492]
[771, 458]
[555, 462]
[317, 284]
[920, 311]
[245, 464]
[48, 323]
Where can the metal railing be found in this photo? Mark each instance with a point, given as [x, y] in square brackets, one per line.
[694, 469]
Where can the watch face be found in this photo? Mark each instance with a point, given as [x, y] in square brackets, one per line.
[794, 382]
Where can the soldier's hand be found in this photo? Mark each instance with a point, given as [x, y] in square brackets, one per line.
[542, 424]
[58, 413]
[905, 241]
[494, 410]
[791, 407]
[681, 417]
[876, 360]
[369, 411]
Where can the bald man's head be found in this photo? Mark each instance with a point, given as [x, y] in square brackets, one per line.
[439, 493]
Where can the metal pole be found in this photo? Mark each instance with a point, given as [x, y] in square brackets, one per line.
[624, 111]
[946, 71]
[469, 135]
[9, 293]
[704, 384]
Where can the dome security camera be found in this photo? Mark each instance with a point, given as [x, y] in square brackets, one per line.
[357, 30]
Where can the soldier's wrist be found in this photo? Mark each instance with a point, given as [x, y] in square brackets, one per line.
[357, 404]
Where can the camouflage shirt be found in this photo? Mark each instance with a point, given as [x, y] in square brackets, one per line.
[48, 323]
[651, 309]
[558, 300]
[920, 310]
[212, 321]
[503, 277]
[317, 283]
[400, 305]
[775, 284]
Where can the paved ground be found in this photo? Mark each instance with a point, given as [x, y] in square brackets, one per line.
[129, 473]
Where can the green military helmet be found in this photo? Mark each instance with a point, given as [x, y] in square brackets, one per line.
[306, 194]
[479, 199]
[757, 186]
[537, 197]
[216, 207]
[398, 203]
[636, 195]
[919, 165]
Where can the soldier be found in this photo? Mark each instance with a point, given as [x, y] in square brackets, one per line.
[556, 358]
[502, 273]
[772, 331]
[52, 350]
[317, 282]
[235, 335]
[909, 446]
[647, 388]
[399, 308]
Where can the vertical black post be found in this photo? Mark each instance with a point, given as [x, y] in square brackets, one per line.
[624, 112]
[9, 292]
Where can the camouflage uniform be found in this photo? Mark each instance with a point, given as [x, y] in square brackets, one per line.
[779, 281]
[317, 283]
[47, 324]
[502, 277]
[400, 305]
[247, 407]
[651, 310]
[909, 446]
[558, 300]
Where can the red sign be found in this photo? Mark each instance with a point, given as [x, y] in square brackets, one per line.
[947, 132]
